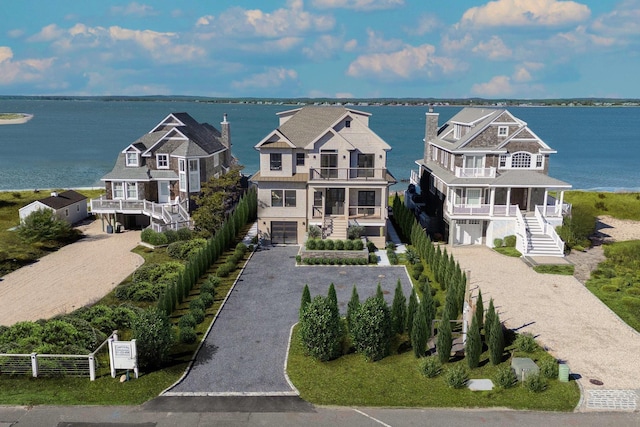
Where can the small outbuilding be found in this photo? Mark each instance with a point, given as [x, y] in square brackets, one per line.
[70, 206]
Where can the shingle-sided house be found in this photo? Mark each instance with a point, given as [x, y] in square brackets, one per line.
[322, 166]
[155, 176]
[69, 205]
[484, 175]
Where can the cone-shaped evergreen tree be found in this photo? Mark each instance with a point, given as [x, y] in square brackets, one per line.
[352, 307]
[332, 295]
[496, 341]
[473, 346]
[306, 299]
[444, 339]
[430, 308]
[411, 312]
[488, 320]
[398, 310]
[379, 293]
[419, 332]
[479, 313]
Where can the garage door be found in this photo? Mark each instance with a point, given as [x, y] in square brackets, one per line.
[284, 232]
[468, 232]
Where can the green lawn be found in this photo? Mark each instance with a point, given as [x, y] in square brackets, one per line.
[562, 269]
[396, 382]
[617, 205]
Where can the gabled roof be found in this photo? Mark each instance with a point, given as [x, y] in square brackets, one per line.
[121, 172]
[64, 199]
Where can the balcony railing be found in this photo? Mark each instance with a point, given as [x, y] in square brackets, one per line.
[475, 172]
[169, 213]
[100, 204]
[483, 210]
[348, 174]
[365, 212]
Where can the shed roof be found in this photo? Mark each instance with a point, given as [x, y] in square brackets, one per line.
[64, 199]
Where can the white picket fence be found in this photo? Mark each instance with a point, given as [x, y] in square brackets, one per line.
[53, 365]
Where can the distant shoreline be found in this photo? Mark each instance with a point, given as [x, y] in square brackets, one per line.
[15, 121]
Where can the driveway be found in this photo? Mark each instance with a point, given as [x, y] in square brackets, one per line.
[563, 316]
[245, 351]
[72, 277]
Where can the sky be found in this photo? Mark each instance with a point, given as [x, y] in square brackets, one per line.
[524, 49]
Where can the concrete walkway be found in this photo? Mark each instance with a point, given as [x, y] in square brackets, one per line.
[245, 350]
[564, 317]
[72, 277]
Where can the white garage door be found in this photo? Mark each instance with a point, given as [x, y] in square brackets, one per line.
[468, 232]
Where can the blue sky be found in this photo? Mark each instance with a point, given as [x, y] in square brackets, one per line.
[322, 48]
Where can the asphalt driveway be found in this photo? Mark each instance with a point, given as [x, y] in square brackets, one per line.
[245, 351]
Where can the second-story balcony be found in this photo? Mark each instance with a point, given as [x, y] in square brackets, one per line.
[475, 172]
[347, 174]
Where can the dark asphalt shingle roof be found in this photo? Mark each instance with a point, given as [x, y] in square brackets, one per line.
[66, 198]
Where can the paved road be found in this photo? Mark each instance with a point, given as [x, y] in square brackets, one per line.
[207, 413]
[246, 348]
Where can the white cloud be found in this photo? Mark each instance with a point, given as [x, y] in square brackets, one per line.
[518, 13]
[579, 40]
[47, 34]
[273, 77]
[14, 34]
[205, 20]
[135, 9]
[325, 47]
[27, 70]
[351, 45]
[496, 87]
[284, 44]
[344, 95]
[377, 43]
[425, 24]
[362, 5]
[522, 73]
[409, 63]
[452, 45]
[624, 20]
[494, 49]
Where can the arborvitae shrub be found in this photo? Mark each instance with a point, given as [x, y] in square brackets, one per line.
[496, 341]
[320, 329]
[304, 300]
[188, 335]
[332, 296]
[412, 308]
[198, 315]
[479, 313]
[419, 334]
[371, 332]
[352, 306]
[398, 309]
[444, 339]
[473, 346]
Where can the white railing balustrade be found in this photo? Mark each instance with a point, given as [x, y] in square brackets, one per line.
[414, 178]
[548, 229]
[347, 174]
[522, 234]
[475, 172]
[365, 211]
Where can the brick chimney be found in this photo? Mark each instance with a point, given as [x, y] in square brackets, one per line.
[430, 131]
[225, 130]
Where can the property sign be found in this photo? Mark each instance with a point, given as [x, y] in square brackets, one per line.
[123, 355]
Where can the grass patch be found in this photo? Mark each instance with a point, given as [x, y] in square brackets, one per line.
[617, 205]
[395, 381]
[508, 251]
[616, 281]
[10, 116]
[562, 269]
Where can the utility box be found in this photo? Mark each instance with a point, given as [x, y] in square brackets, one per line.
[563, 372]
[523, 367]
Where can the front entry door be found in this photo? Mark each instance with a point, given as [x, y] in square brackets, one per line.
[163, 192]
[334, 202]
[519, 197]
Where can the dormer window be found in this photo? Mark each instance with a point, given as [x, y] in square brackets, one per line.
[503, 131]
[132, 159]
[521, 160]
[347, 123]
[275, 161]
[163, 161]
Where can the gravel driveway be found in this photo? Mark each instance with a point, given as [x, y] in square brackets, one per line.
[245, 351]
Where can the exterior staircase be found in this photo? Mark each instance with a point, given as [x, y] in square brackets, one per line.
[338, 229]
[540, 244]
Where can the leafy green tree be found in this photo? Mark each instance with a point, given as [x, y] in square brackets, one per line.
[306, 299]
[496, 341]
[152, 331]
[445, 339]
[320, 329]
[352, 306]
[411, 311]
[371, 331]
[43, 226]
[398, 309]
[217, 198]
[473, 346]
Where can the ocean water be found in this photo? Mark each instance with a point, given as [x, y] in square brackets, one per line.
[74, 143]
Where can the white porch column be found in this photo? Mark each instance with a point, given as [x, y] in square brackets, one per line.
[561, 201]
[492, 200]
[546, 194]
[347, 197]
[508, 200]
[529, 191]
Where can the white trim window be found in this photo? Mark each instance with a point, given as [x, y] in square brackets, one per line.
[283, 198]
[539, 161]
[503, 131]
[117, 189]
[216, 160]
[194, 175]
[521, 160]
[131, 158]
[132, 190]
[124, 190]
[502, 162]
[162, 161]
[182, 174]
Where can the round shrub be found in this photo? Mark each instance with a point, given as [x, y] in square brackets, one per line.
[525, 343]
[225, 269]
[320, 245]
[171, 235]
[430, 366]
[187, 320]
[198, 315]
[609, 288]
[393, 258]
[152, 237]
[123, 315]
[497, 243]
[298, 259]
[535, 383]
[358, 245]
[348, 245]
[311, 244]
[184, 234]
[339, 245]
[152, 331]
[196, 303]
[510, 241]
[549, 368]
[207, 288]
[207, 300]
[456, 376]
[373, 258]
[320, 329]
[371, 247]
[329, 245]
[505, 377]
[188, 335]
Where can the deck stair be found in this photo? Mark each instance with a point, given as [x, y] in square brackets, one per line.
[540, 244]
[338, 229]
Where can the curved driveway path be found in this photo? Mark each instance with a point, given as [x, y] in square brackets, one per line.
[245, 351]
[561, 313]
[74, 276]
